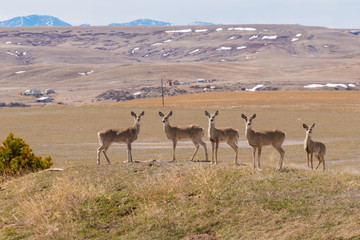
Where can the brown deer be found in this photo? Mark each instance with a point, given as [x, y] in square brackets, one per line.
[217, 135]
[175, 133]
[257, 139]
[127, 135]
[314, 148]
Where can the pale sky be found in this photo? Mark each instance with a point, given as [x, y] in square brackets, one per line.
[327, 13]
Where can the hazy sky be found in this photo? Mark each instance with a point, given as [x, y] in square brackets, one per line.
[328, 13]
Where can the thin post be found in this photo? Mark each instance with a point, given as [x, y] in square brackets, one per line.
[162, 92]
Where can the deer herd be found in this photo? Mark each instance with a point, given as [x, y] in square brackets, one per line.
[256, 139]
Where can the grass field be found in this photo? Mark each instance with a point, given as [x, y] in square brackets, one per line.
[161, 200]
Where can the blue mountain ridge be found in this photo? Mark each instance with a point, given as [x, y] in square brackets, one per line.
[46, 20]
[143, 22]
[33, 20]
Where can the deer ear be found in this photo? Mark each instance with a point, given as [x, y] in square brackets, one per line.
[244, 117]
[161, 114]
[142, 113]
[305, 126]
[313, 125]
[170, 114]
[133, 114]
[253, 116]
[207, 114]
[217, 112]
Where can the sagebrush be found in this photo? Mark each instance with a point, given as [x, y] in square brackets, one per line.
[16, 157]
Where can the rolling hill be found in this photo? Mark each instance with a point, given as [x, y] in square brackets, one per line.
[136, 58]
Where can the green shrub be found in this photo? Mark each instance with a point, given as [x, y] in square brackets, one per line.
[16, 157]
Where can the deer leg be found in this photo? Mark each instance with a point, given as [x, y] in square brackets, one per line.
[204, 145]
[129, 152]
[196, 150]
[235, 147]
[259, 155]
[212, 151]
[282, 155]
[311, 159]
[320, 160]
[173, 150]
[254, 153]
[308, 158]
[323, 161]
[104, 152]
[216, 152]
[98, 154]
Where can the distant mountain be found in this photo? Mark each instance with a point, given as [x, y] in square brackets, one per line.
[33, 20]
[201, 23]
[143, 22]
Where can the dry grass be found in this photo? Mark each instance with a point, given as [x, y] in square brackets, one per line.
[161, 200]
[170, 201]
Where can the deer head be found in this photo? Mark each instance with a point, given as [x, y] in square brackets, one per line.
[165, 119]
[248, 121]
[308, 130]
[137, 117]
[211, 117]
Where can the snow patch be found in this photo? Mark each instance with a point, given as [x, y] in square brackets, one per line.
[192, 52]
[201, 30]
[180, 31]
[253, 37]
[18, 72]
[241, 47]
[224, 49]
[85, 73]
[219, 29]
[232, 38]
[134, 50]
[294, 39]
[9, 42]
[298, 35]
[255, 88]
[334, 85]
[242, 29]
[156, 44]
[269, 37]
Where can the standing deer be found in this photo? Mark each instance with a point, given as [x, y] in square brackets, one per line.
[217, 135]
[175, 133]
[257, 139]
[127, 135]
[314, 148]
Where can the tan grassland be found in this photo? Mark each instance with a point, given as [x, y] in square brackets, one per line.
[155, 199]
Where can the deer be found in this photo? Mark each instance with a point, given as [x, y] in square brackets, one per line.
[258, 139]
[314, 148]
[176, 133]
[127, 135]
[217, 135]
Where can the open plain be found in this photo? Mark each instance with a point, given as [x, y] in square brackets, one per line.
[91, 68]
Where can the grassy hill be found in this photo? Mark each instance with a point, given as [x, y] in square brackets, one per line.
[158, 200]
[155, 199]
